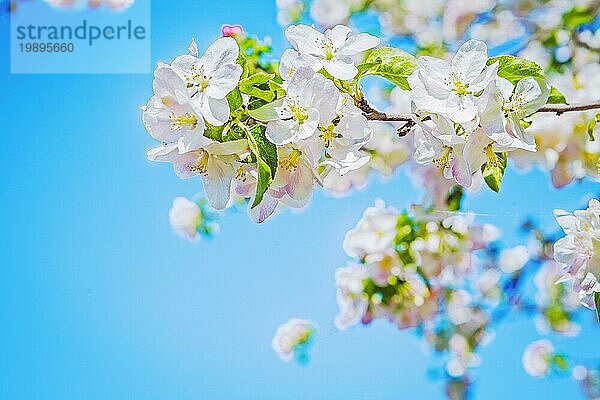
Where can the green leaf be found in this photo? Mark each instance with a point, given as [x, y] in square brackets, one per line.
[514, 68]
[390, 63]
[592, 125]
[597, 301]
[266, 112]
[214, 132]
[454, 198]
[494, 171]
[234, 98]
[577, 16]
[556, 97]
[260, 85]
[266, 159]
[241, 60]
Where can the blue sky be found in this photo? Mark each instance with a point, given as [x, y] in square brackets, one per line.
[99, 299]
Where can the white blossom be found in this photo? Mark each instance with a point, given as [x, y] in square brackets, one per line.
[332, 50]
[374, 233]
[512, 260]
[213, 162]
[537, 358]
[579, 250]
[451, 88]
[210, 78]
[289, 336]
[185, 217]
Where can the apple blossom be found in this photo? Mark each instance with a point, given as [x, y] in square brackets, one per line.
[452, 89]
[537, 358]
[579, 250]
[213, 162]
[332, 50]
[293, 338]
[374, 233]
[514, 259]
[210, 78]
[310, 99]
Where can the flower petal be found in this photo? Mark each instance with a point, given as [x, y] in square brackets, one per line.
[470, 60]
[357, 44]
[221, 52]
[223, 81]
[305, 39]
[340, 68]
[217, 182]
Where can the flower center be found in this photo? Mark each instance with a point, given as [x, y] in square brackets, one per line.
[201, 163]
[327, 47]
[179, 121]
[299, 113]
[196, 79]
[291, 161]
[241, 174]
[457, 85]
[442, 161]
[492, 158]
[327, 135]
[516, 106]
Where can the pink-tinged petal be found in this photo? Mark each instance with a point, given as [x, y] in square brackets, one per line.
[223, 81]
[264, 210]
[305, 39]
[221, 52]
[217, 182]
[340, 68]
[470, 60]
[300, 182]
[461, 172]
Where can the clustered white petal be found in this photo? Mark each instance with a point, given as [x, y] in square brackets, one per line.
[579, 250]
[466, 113]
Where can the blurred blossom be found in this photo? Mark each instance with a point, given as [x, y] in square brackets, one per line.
[189, 219]
[289, 11]
[232, 30]
[512, 260]
[293, 340]
[537, 358]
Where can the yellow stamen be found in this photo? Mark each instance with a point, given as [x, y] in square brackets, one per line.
[241, 174]
[327, 135]
[202, 163]
[442, 161]
[291, 161]
[492, 158]
[299, 113]
[179, 121]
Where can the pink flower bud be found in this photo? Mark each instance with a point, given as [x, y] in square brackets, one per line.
[231, 30]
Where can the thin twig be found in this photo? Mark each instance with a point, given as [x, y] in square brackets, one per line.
[374, 115]
[559, 109]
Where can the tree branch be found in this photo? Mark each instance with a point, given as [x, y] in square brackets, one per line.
[374, 115]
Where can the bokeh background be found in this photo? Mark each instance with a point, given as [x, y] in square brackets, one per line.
[100, 300]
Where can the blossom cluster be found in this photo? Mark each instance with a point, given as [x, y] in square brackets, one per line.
[247, 131]
[561, 36]
[579, 251]
[473, 114]
[411, 268]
